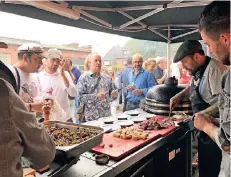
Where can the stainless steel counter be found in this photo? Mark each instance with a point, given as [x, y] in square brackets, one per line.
[87, 167]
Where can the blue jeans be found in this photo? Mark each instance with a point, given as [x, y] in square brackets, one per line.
[131, 105]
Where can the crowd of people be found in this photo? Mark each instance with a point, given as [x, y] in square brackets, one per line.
[40, 76]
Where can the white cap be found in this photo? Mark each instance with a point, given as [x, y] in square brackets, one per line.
[54, 53]
[30, 47]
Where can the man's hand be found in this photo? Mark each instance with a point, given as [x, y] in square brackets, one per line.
[63, 66]
[130, 88]
[37, 107]
[101, 96]
[137, 92]
[201, 122]
[174, 101]
[165, 75]
[114, 93]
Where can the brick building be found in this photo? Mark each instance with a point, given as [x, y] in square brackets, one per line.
[71, 51]
[116, 57]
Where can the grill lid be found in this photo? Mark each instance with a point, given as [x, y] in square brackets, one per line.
[162, 93]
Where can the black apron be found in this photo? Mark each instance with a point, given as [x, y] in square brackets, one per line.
[209, 154]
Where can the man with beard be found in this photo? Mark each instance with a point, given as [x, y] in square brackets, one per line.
[30, 57]
[214, 26]
[203, 92]
[140, 81]
[57, 82]
[21, 135]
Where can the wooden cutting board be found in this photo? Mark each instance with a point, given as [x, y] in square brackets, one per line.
[122, 147]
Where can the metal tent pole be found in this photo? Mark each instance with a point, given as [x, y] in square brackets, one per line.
[169, 51]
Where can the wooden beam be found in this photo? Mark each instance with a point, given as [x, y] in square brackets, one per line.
[92, 17]
[54, 8]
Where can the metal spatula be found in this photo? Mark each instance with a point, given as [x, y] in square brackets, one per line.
[170, 113]
[79, 127]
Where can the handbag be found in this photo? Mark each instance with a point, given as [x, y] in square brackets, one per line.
[81, 108]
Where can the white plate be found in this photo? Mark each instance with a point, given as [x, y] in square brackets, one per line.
[148, 116]
[133, 113]
[125, 123]
[108, 120]
[139, 119]
[123, 117]
[110, 128]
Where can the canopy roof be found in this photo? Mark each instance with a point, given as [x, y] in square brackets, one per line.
[148, 20]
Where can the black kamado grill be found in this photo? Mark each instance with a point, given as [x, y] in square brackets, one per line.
[158, 98]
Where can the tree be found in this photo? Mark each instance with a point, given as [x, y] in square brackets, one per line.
[149, 49]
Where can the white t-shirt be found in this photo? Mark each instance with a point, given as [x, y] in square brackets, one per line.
[30, 88]
[54, 85]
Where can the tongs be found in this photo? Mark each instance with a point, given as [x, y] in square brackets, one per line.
[79, 126]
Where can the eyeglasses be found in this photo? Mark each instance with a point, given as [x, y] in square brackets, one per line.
[137, 62]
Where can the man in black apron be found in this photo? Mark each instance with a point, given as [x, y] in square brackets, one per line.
[206, 76]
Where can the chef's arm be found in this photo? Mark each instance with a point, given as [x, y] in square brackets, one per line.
[178, 98]
[219, 135]
[183, 94]
[37, 145]
[211, 130]
[212, 111]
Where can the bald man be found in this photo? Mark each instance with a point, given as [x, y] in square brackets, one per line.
[140, 81]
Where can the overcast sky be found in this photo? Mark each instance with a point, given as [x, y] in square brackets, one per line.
[15, 26]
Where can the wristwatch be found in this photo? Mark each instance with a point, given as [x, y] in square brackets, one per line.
[30, 107]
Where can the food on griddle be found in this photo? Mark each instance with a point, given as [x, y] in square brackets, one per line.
[155, 124]
[131, 133]
[180, 115]
[67, 137]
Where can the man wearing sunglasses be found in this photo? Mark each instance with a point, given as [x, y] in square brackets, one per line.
[29, 61]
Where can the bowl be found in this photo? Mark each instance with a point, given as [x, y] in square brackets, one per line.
[110, 128]
[125, 123]
[123, 117]
[139, 119]
[108, 120]
[133, 113]
[148, 116]
[102, 159]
